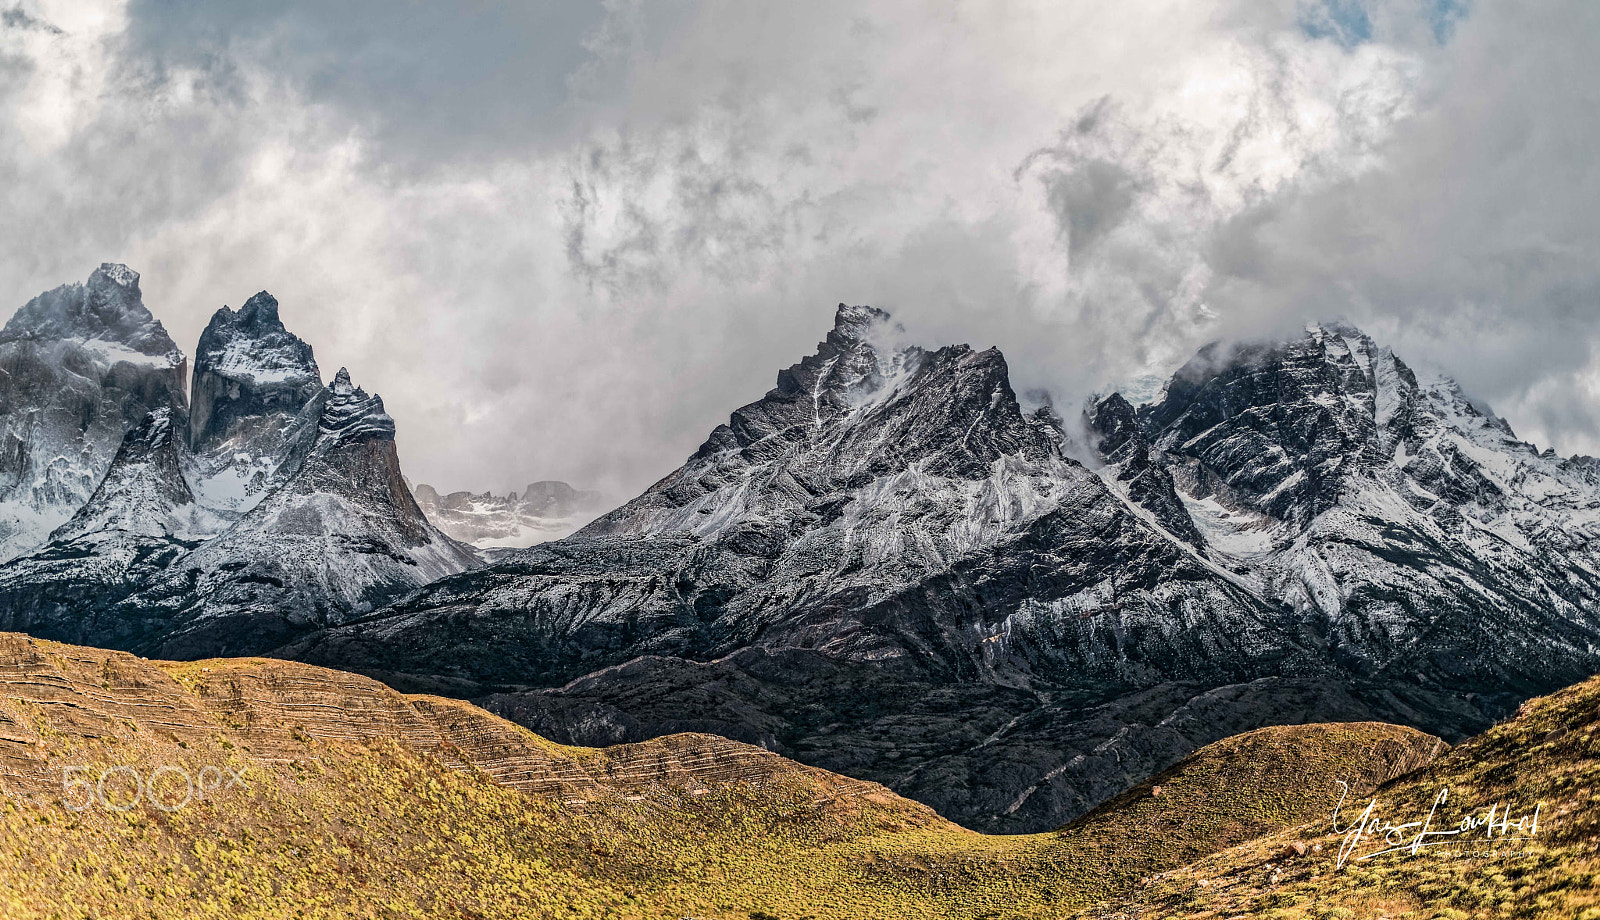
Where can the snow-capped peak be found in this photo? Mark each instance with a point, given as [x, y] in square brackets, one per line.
[855, 323]
[251, 375]
[107, 310]
[252, 345]
[82, 362]
[117, 274]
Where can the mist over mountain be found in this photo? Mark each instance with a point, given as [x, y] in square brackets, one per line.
[570, 262]
[835, 460]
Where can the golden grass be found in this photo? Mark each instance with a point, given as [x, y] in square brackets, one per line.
[381, 831]
[1548, 755]
[339, 819]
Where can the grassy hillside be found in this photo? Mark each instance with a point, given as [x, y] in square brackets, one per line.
[356, 801]
[1548, 756]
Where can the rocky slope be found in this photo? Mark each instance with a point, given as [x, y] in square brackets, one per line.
[1408, 527]
[272, 709]
[79, 366]
[139, 520]
[268, 788]
[543, 511]
[888, 568]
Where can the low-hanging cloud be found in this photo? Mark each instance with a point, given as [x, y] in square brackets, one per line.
[565, 240]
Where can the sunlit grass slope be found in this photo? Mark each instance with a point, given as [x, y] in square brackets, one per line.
[1547, 756]
[357, 801]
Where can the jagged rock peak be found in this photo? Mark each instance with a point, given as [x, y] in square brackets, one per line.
[253, 345]
[260, 309]
[350, 414]
[1116, 423]
[1585, 467]
[852, 324]
[1285, 422]
[823, 386]
[107, 308]
[249, 373]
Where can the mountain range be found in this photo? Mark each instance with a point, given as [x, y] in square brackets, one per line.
[888, 566]
[546, 510]
[273, 505]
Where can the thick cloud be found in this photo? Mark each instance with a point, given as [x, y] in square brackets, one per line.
[564, 240]
[426, 80]
[1475, 241]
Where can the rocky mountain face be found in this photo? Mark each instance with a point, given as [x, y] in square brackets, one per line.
[252, 378]
[1139, 473]
[888, 568]
[144, 492]
[545, 510]
[276, 507]
[79, 367]
[1408, 528]
[140, 519]
[333, 539]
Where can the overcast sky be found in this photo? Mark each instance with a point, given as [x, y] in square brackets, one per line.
[564, 240]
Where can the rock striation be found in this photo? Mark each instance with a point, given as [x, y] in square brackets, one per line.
[53, 696]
